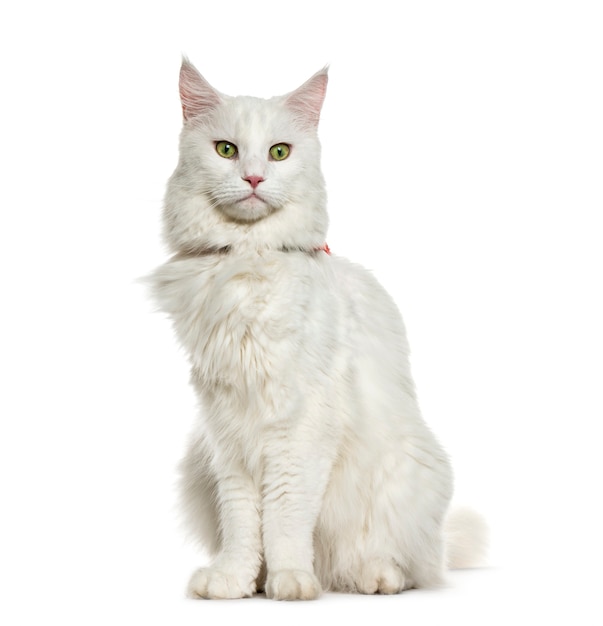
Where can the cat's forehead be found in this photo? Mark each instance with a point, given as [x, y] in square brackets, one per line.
[248, 117]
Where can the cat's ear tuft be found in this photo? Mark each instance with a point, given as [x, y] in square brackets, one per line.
[306, 101]
[196, 94]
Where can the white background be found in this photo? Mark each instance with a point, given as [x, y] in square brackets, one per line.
[463, 151]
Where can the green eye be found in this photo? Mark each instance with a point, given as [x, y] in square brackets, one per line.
[279, 151]
[226, 149]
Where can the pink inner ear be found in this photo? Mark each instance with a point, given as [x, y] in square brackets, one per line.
[196, 94]
[307, 100]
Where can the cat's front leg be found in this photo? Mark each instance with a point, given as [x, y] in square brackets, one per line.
[295, 477]
[234, 571]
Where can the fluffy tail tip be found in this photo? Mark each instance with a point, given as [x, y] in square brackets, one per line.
[466, 534]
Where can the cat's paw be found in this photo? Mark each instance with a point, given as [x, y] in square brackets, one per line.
[381, 576]
[292, 584]
[212, 583]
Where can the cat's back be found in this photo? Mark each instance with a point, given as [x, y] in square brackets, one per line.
[367, 301]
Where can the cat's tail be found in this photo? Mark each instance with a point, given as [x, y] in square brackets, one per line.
[466, 539]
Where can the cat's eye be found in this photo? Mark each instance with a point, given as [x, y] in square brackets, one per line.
[280, 151]
[226, 149]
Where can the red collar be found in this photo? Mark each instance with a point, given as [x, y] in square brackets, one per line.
[226, 249]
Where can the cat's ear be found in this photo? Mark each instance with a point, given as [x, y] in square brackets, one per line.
[196, 94]
[306, 101]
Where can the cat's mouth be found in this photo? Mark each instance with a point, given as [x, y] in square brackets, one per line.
[250, 208]
[253, 196]
[254, 204]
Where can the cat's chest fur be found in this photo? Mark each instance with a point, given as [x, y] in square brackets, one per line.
[252, 323]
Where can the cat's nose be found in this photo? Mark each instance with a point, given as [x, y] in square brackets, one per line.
[254, 181]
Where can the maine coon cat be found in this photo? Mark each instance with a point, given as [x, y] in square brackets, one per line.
[310, 467]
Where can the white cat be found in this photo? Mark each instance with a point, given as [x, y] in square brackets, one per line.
[310, 467]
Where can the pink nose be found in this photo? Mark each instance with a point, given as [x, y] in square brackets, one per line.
[254, 181]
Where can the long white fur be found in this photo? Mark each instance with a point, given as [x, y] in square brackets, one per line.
[310, 466]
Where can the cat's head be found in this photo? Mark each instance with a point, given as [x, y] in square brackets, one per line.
[249, 169]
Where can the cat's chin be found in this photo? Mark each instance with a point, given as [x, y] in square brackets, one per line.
[251, 209]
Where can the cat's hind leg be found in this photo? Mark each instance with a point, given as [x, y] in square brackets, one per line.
[381, 575]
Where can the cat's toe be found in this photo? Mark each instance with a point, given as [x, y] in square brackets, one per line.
[211, 583]
[293, 585]
[381, 576]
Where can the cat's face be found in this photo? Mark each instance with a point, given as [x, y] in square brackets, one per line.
[250, 155]
[244, 161]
